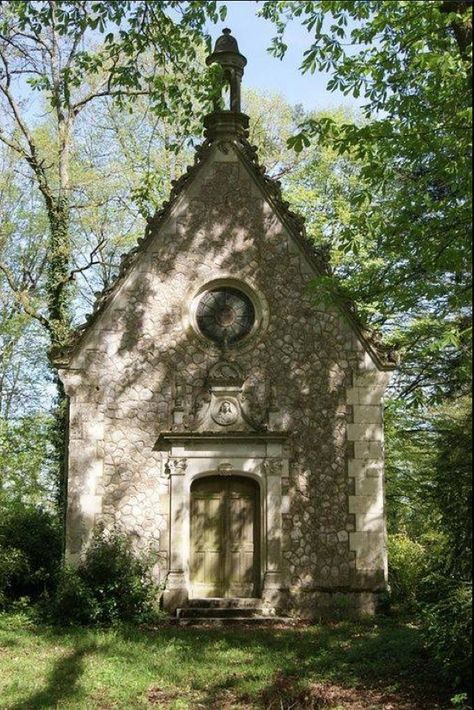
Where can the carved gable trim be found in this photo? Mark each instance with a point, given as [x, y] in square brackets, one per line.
[384, 358]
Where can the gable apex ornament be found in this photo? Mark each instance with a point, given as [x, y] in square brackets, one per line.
[227, 130]
[231, 121]
[226, 54]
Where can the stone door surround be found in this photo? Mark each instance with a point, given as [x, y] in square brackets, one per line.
[260, 456]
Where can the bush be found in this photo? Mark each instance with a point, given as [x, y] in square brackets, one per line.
[110, 585]
[13, 566]
[30, 553]
[407, 568]
[73, 603]
[448, 630]
[421, 581]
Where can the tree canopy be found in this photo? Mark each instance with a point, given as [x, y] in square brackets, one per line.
[405, 247]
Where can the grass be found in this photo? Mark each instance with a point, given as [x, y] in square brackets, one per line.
[376, 664]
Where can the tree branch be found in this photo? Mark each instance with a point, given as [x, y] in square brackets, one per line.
[17, 148]
[22, 299]
[128, 94]
[92, 262]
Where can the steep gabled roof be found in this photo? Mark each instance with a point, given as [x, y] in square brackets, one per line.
[319, 258]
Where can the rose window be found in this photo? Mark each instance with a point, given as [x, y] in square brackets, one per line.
[225, 315]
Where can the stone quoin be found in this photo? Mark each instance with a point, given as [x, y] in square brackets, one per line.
[226, 420]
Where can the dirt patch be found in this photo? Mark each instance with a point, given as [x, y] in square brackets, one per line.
[101, 701]
[161, 696]
[286, 695]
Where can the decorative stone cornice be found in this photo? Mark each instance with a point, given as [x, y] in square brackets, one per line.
[226, 124]
[183, 437]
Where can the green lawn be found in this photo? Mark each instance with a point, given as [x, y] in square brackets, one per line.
[375, 664]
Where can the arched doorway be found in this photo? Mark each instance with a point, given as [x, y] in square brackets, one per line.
[225, 537]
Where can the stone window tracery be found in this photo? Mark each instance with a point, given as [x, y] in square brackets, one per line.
[225, 315]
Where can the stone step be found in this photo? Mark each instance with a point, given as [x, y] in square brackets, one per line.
[217, 612]
[235, 620]
[224, 603]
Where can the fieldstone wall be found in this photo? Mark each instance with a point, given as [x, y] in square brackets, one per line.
[141, 369]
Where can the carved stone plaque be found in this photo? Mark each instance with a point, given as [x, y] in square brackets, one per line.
[225, 413]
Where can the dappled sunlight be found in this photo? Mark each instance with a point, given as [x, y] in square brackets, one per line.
[120, 667]
[225, 537]
[151, 371]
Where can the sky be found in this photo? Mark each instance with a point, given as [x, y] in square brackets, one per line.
[266, 73]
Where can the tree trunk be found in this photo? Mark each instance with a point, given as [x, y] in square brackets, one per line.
[59, 314]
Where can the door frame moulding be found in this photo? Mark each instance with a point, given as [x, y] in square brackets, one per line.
[262, 456]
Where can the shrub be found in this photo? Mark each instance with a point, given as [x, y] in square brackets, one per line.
[13, 566]
[448, 630]
[73, 602]
[421, 580]
[407, 567]
[30, 552]
[110, 585]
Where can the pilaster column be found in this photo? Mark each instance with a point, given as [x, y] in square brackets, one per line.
[176, 592]
[272, 583]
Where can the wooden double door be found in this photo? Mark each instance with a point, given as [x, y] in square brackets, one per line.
[225, 535]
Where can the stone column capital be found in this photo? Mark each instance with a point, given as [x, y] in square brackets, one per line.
[273, 467]
[176, 466]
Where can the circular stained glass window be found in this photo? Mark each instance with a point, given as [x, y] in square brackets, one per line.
[225, 315]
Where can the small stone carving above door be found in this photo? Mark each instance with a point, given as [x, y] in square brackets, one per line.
[225, 373]
[175, 467]
[227, 403]
[225, 412]
[221, 411]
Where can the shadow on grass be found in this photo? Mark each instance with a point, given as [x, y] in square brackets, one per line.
[245, 667]
[387, 659]
[61, 683]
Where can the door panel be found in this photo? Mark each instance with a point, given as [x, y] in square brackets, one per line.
[240, 543]
[224, 537]
[208, 553]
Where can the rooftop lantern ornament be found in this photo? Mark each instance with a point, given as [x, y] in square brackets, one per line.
[227, 121]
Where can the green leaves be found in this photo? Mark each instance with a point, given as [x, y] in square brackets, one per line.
[411, 151]
[25, 459]
[298, 142]
[104, 44]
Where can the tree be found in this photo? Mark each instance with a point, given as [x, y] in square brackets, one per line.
[404, 252]
[61, 57]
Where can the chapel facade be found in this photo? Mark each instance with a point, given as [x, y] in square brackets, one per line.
[221, 416]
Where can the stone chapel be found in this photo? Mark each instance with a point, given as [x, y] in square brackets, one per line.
[221, 416]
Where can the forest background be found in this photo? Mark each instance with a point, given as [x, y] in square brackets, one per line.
[101, 106]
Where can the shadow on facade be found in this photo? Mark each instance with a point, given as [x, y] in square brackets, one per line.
[225, 228]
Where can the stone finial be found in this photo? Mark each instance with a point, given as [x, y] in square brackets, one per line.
[230, 121]
[226, 54]
[226, 43]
